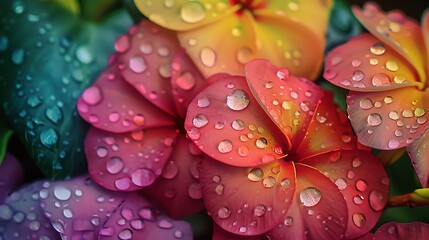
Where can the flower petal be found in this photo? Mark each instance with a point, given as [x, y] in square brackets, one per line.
[135, 218]
[186, 81]
[211, 55]
[425, 29]
[128, 161]
[419, 156]
[224, 120]
[399, 231]
[397, 31]
[22, 218]
[328, 130]
[11, 176]
[289, 44]
[390, 119]
[363, 182]
[220, 234]
[247, 201]
[112, 105]
[318, 208]
[289, 101]
[184, 14]
[178, 190]
[144, 59]
[364, 63]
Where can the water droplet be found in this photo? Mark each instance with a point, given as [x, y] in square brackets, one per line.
[310, 196]
[238, 100]
[243, 151]
[192, 12]
[380, 79]
[34, 101]
[92, 95]
[259, 210]
[238, 125]
[62, 193]
[223, 213]
[373, 61]
[378, 49]
[146, 48]
[418, 112]
[203, 102]
[393, 143]
[186, 81]
[208, 57]
[48, 137]
[200, 120]
[374, 119]
[358, 219]
[357, 75]
[6, 213]
[269, 182]
[137, 64]
[125, 234]
[18, 56]
[219, 125]
[358, 199]
[356, 63]
[261, 143]
[377, 201]
[170, 170]
[224, 146]
[356, 162]
[341, 183]
[407, 113]
[288, 221]
[123, 183]
[285, 183]
[143, 177]
[255, 174]
[361, 185]
[122, 44]
[392, 65]
[84, 55]
[219, 189]
[54, 114]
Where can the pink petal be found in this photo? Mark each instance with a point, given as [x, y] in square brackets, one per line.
[22, 218]
[128, 161]
[220, 234]
[366, 64]
[399, 231]
[390, 119]
[178, 190]
[227, 123]
[363, 182]
[401, 33]
[135, 218]
[186, 81]
[247, 201]
[289, 101]
[113, 105]
[419, 156]
[11, 176]
[146, 62]
[318, 209]
[329, 130]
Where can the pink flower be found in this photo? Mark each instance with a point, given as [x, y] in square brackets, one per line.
[286, 162]
[399, 231]
[386, 72]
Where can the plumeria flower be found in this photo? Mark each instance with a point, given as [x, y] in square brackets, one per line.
[399, 231]
[136, 108]
[386, 71]
[285, 161]
[222, 35]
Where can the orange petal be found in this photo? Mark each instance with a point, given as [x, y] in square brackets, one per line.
[144, 59]
[397, 31]
[419, 155]
[366, 194]
[327, 131]
[183, 15]
[247, 201]
[289, 101]
[289, 44]
[224, 46]
[300, 12]
[425, 29]
[389, 119]
[366, 64]
[318, 209]
[227, 123]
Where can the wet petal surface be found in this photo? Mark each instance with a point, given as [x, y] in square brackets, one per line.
[399, 231]
[419, 156]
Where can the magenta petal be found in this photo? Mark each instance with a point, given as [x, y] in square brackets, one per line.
[318, 208]
[220, 234]
[399, 231]
[128, 161]
[137, 219]
[178, 190]
[77, 208]
[22, 218]
[11, 175]
[146, 62]
[113, 105]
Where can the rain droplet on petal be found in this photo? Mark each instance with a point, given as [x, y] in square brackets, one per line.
[224, 146]
[261, 143]
[92, 95]
[208, 57]
[223, 212]
[186, 81]
[200, 120]
[83, 54]
[357, 75]
[62, 193]
[137, 64]
[259, 210]
[18, 56]
[269, 182]
[203, 102]
[288, 221]
[192, 12]
[377, 201]
[380, 79]
[361, 185]
[143, 177]
[310, 196]
[374, 119]
[378, 49]
[114, 165]
[359, 219]
[122, 44]
[255, 174]
[341, 183]
[238, 100]
[392, 65]
[237, 125]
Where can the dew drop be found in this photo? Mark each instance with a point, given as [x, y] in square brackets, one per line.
[186, 81]
[4, 42]
[288, 221]
[310, 196]
[269, 182]
[358, 219]
[377, 201]
[358, 199]
[114, 165]
[170, 170]
[143, 177]
[261, 143]
[407, 113]
[62, 193]
[380, 79]
[192, 12]
[418, 112]
[357, 75]
[341, 183]
[285, 183]
[194, 191]
[123, 183]
[203, 102]
[378, 49]
[92, 95]
[392, 65]
[122, 44]
[259, 210]
[125, 234]
[374, 119]
[48, 137]
[393, 143]
[84, 55]
[238, 100]
[361, 185]
[223, 213]
[18, 56]
[208, 57]
[244, 55]
[200, 120]
[237, 125]
[224, 146]
[255, 175]
[137, 64]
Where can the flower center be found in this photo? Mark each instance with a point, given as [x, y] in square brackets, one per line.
[248, 5]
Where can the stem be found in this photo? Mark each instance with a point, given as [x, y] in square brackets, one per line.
[95, 10]
[418, 198]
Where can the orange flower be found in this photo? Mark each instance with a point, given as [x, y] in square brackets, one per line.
[221, 35]
[387, 71]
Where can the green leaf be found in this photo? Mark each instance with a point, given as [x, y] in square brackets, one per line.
[48, 56]
[5, 134]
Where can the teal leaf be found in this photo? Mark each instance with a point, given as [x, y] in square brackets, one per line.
[48, 56]
[5, 134]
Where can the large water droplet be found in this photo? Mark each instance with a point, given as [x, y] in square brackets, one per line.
[192, 12]
[238, 100]
[359, 219]
[381, 79]
[378, 49]
[170, 170]
[310, 196]
[84, 55]
[62, 193]
[288, 221]
[203, 102]
[208, 57]
[54, 114]
[377, 201]
[361, 185]
[225, 146]
[125, 234]
[200, 120]
[137, 64]
[48, 137]
[114, 165]
[374, 119]
[341, 183]
[18, 56]
[143, 177]
[255, 175]
[92, 95]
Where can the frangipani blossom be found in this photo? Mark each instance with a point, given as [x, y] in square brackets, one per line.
[386, 71]
[399, 231]
[136, 108]
[286, 162]
[222, 35]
